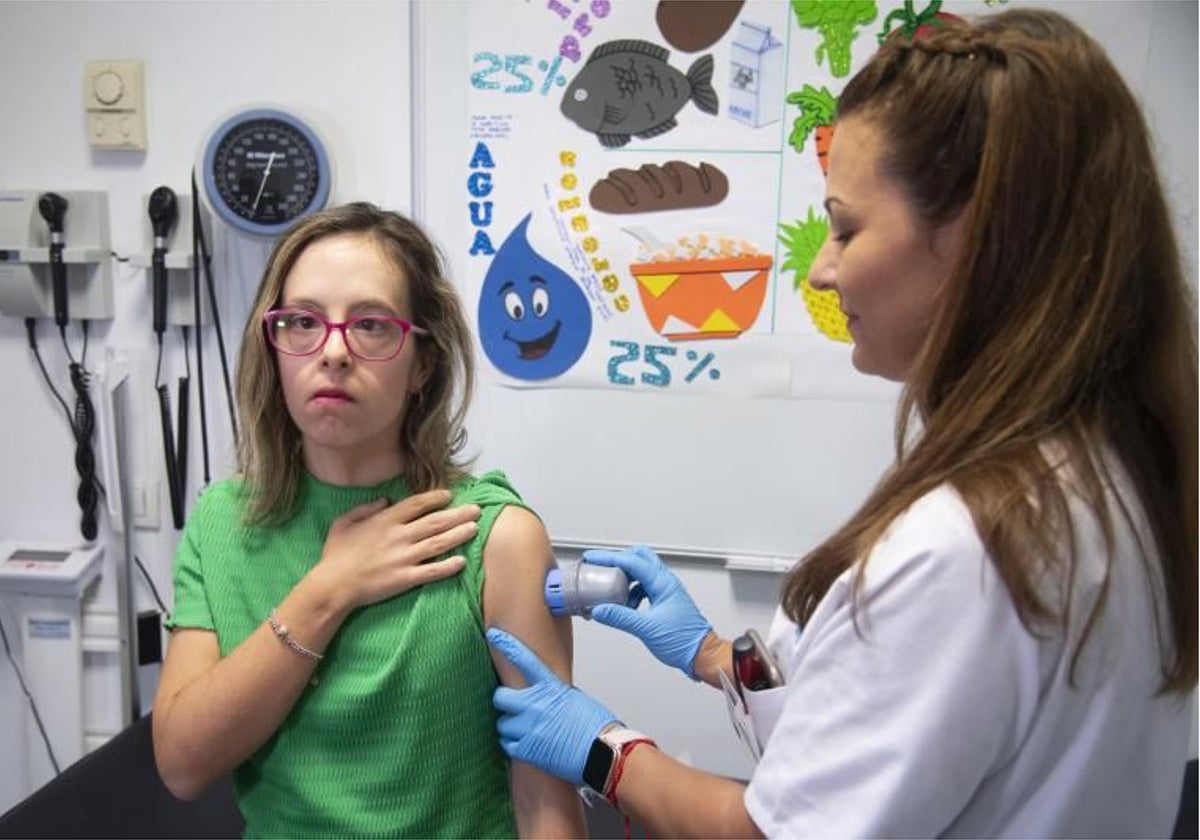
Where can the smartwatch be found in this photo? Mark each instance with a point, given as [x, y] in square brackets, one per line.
[602, 757]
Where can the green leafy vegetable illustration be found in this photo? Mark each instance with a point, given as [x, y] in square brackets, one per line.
[908, 23]
[838, 22]
[803, 240]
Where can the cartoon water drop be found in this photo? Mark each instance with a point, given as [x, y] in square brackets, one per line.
[534, 320]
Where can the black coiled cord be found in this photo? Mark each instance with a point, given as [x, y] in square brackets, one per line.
[84, 425]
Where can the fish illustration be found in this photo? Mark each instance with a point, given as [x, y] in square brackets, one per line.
[626, 88]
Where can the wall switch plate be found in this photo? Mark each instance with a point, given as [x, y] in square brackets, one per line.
[114, 97]
[144, 505]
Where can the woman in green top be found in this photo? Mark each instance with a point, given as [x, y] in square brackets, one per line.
[327, 641]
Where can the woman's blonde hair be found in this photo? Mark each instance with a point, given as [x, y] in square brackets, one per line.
[1066, 319]
[432, 434]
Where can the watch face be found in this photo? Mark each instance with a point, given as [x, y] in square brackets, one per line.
[264, 170]
[599, 763]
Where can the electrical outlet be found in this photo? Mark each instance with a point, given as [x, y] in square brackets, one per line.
[144, 505]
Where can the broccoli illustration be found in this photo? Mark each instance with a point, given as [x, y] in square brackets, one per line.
[838, 22]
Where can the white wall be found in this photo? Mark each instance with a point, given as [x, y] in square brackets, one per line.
[344, 64]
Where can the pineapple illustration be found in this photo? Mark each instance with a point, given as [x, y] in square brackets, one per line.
[803, 240]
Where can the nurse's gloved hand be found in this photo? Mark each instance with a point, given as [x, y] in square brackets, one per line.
[672, 628]
[548, 724]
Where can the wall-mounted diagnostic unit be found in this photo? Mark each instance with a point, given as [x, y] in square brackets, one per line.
[174, 250]
[47, 272]
[43, 586]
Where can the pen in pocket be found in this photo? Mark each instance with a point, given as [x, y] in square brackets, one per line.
[753, 667]
[748, 673]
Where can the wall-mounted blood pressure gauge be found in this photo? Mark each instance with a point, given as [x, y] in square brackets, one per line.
[263, 169]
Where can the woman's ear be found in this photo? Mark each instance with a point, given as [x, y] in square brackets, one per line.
[422, 370]
[948, 238]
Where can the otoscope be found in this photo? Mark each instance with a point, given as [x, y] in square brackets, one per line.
[53, 208]
[163, 211]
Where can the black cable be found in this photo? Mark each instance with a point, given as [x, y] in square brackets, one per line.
[28, 696]
[187, 363]
[82, 422]
[150, 581]
[216, 315]
[158, 365]
[62, 333]
[197, 233]
[173, 485]
[175, 440]
[212, 302]
[185, 396]
[30, 324]
[85, 458]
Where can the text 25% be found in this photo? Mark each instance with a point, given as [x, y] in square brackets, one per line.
[509, 73]
[656, 361]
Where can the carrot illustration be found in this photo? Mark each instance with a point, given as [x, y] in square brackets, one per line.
[824, 140]
[817, 109]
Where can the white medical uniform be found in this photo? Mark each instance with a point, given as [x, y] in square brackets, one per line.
[951, 719]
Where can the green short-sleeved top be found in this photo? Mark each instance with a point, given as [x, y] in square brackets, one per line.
[398, 737]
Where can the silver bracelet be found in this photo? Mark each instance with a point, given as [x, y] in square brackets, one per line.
[284, 635]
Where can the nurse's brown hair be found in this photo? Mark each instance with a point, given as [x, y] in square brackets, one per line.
[1063, 343]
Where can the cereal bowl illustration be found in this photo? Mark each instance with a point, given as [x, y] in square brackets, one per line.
[700, 287]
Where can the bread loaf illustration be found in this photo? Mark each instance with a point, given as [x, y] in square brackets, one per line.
[673, 186]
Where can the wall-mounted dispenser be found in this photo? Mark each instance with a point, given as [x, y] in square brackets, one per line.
[29, 255]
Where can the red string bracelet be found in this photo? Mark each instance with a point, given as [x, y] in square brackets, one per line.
[626, 749]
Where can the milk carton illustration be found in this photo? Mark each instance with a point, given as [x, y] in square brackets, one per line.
[756, 76]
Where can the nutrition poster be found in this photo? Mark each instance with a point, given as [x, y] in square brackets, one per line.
[645, 191]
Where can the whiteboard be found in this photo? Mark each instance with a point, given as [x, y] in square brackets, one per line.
[705, 474]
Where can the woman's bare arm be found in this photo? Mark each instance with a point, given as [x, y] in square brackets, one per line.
[515, 561]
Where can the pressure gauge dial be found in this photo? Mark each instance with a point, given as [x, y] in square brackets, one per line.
[264, 169]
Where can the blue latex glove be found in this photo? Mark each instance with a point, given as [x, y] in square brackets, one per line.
[672, 629]
[548, 724]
